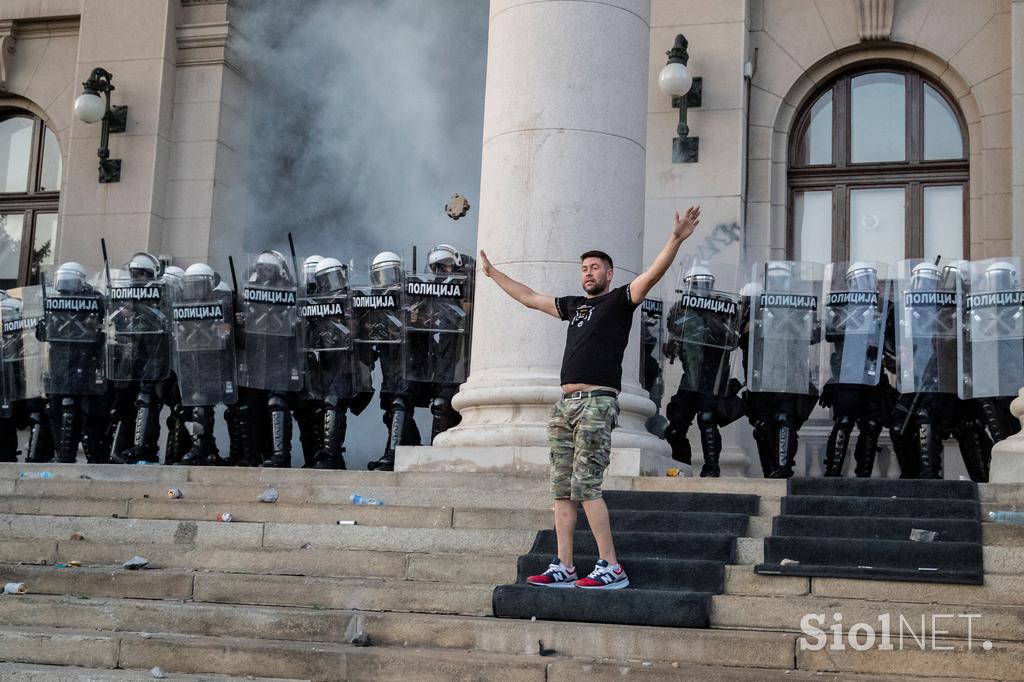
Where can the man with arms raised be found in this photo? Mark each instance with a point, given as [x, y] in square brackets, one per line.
[579, 430]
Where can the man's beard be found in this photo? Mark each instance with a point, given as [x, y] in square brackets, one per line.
[595, 286]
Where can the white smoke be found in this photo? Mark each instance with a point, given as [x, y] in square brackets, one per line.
[364, 117]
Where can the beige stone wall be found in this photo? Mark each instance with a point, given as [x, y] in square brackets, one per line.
[800, 44]
[174, 70]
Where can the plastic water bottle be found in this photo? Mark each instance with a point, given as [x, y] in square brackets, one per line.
[35, 474]
[1015, 518]
[366, 501]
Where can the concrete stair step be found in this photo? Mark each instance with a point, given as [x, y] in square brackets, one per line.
[309, 561]
[289, 493]
[370, 594]
[246, 656]
[1004, 623]
[28, 672]
[281, 535]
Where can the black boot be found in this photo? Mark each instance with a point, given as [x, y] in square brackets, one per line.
[179, 440]
[395, 433]
[68, 430]
[240, 441]
[9, 440]
[146, 437]
[331, 455]
[711, 445]
[40, 439]
[867, 447]
[975, 448]
[311, 422]
[785, 447]
[762, 439]
[929, 451]
[281, 434]
[838, 443]
[204, 447]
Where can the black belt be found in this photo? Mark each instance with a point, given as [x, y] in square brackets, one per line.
[577, 395]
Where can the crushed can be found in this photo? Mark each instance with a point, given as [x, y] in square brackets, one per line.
[224, 516]
[174, 493]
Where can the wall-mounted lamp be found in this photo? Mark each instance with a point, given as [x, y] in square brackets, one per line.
[685, 91]
[91, 108]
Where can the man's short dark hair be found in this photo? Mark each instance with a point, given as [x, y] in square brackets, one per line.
[598, 254]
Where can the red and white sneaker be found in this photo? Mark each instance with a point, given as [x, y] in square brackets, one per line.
[604, 577]
[557, 575]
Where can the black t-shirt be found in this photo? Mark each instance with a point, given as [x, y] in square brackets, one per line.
[597, 337]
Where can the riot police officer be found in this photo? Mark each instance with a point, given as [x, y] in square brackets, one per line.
[178, 438]
[138, 352]
[379, 310]
[782, 365]
[438, 325]
[271, 364]
[308, 409]
[204, 357]
[22, 355]
[703, 331]
[75, 381]
[855, 312]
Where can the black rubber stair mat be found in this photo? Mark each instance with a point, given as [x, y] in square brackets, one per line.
[640, 500]
[877, 528]
[905, 575]
[666, 608]
[707, 546]
[883, 487]
[644, 574]
[628, 520]
[918, 508]
[950, 556]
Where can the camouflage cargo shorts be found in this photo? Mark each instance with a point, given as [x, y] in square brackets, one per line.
[580, 437]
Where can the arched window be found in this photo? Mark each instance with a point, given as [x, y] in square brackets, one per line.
[878, 170]
[30, 173]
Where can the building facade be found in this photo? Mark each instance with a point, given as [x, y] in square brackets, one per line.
[828, 129]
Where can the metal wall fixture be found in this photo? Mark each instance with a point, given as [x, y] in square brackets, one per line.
[91, 108]
[675, 81]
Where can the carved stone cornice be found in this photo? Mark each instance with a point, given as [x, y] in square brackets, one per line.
[6, 52]
[874, 18]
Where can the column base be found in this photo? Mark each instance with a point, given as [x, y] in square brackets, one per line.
[523, 461]
[1008, 461]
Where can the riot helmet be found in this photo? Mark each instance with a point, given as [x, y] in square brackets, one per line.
[699, 279]
[331, 276]
[70, 278]
[750, 290]
[271, 268]
[309, 272]
[778, 274]
[924, 277]
[955, 269]
[10, 308]
[1001, 276]
[862, 276]
[143, 267]
[443, 259]
[174, 276]
[199, 281]
[386, 269]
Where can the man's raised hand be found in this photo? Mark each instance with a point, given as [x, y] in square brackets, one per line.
[485, 264]
[684, 226]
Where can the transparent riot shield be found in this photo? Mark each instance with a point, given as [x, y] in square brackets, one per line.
[854, 308]
[271, 351]
[652, 348]
[74, 314]
[784, 328]
[203, 349]
[926, 326]
[990, 306]
[138, 331]
[332, 365]
[437, 326]
[704, 325]
[22, 353]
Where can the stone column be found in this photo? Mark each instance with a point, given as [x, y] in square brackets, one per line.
[1008, 455]
[562, 172]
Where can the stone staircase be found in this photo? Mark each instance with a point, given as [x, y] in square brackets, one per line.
[285, 592]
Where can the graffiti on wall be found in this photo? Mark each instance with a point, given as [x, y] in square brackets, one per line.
[722, 236]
